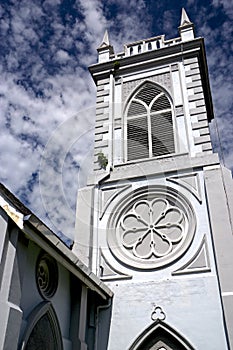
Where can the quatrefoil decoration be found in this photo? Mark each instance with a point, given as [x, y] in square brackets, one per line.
[151, 229]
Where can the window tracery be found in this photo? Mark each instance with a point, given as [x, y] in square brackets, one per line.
[151, 227]
[149, 124]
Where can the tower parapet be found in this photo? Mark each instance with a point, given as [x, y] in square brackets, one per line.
[177, 67]
[106, 51]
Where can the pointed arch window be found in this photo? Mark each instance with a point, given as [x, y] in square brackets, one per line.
[160, 336]
[149, 124]
[43, 330]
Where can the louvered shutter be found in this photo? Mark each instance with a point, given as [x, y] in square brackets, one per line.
[162, 134]
[161, 103]
[161, 126]
[149, 124]
[147, 93]
[136, 108]
[137, 136]
[137, 132]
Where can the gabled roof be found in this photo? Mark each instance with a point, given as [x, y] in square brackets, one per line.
[35, 230]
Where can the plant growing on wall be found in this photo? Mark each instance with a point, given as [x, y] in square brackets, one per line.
[102, 159]
[116, 65]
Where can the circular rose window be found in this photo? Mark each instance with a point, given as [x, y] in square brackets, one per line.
[151, 227]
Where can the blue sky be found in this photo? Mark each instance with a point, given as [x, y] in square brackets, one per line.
[47, 97]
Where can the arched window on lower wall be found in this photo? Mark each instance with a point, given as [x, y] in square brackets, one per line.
[160, 336]
[43, 331]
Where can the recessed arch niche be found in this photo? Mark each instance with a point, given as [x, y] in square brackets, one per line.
[160, 336]
[43, 330]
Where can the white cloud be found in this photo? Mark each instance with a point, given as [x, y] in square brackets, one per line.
[226, 4]
[45, 83]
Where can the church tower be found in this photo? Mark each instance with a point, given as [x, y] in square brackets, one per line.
[155, 219]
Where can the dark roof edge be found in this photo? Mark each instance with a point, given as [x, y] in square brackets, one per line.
[42, 235]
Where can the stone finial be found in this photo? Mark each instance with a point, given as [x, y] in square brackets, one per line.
[105, 49]
[184, 18]
[105, 41]
[186, 27]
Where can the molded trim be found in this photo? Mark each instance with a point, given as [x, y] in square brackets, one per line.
[39, 311]
[193, 265]
[109, 273]
[154, 329]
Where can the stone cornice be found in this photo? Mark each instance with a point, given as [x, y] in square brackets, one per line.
[154, 167]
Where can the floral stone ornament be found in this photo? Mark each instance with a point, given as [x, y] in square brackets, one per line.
[152, 228]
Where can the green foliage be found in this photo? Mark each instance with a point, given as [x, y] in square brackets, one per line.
[116, 65]
[103, 161]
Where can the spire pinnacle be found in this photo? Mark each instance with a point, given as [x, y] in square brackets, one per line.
[184, 18]
[105, 50]
[105, 41]
[186, 27]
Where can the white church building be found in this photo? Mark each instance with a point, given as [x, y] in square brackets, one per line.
[152, 260]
